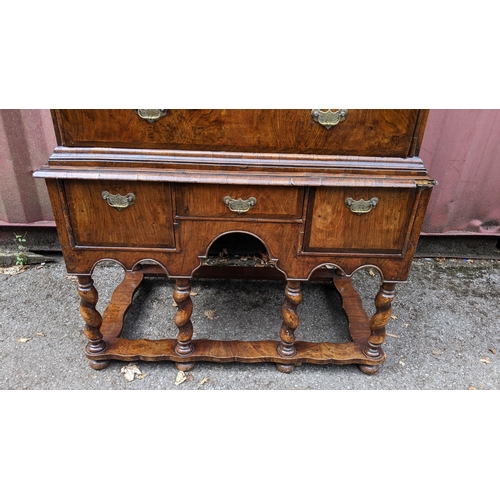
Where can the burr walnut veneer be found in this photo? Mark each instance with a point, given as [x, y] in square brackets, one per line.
[321, 189]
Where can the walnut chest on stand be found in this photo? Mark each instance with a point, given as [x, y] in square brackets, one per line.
[343, 189]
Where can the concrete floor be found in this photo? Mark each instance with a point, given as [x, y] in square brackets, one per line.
[445, 331]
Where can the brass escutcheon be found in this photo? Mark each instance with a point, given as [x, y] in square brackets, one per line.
[328, 118]
[361, 206]
[151, 115]
[240, 206]
[118, 201]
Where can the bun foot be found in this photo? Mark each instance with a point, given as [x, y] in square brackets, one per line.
[285, 368]
[185, 367]
[98, 365]
[369, 369]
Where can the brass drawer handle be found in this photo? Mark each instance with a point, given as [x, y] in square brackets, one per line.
[151, 115]
[361, 206]
[240, 206]
[328, 118]
[118, 201]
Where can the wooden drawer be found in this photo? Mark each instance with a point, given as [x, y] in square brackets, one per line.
[333, 227]
[372, 132]
[145, 223]
[207, 200]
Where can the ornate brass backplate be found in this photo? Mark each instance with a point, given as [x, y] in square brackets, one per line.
[361, 206]
[118, 201]
[151, 115]
[240, 206]
[328, 118]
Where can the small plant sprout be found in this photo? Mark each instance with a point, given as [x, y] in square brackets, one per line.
[21, 257]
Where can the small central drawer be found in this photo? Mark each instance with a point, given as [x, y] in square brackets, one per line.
[233, 201]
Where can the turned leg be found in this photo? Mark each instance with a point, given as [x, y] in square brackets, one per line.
[182, 297]
[378, 322]
[92, 318]
[286, 347]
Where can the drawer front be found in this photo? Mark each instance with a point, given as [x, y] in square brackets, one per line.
[233, 201]
[372, 132]
[142, 220]
[373, 220]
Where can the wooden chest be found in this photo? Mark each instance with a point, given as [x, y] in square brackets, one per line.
[321, 189]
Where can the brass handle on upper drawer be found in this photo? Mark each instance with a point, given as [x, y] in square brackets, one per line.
[361, 206]
[118, 201]
[240, 206]
[151, 115]
[328, 118]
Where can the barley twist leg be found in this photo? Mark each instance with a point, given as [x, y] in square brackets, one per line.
[378, 322]
[182, 297]
[93, 320]
[286, 347]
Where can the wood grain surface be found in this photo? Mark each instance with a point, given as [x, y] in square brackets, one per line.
[374, 132]
[179, 171]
